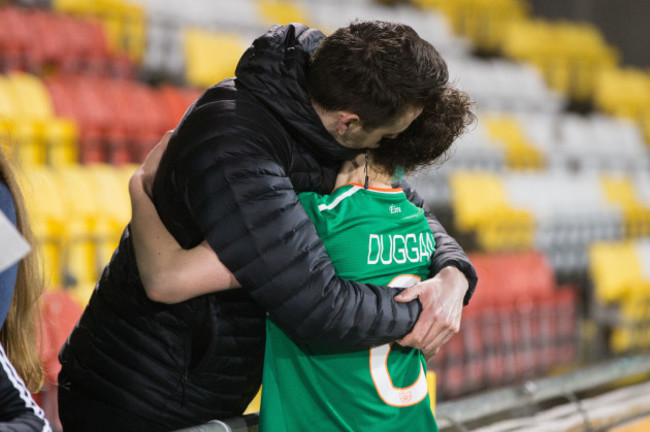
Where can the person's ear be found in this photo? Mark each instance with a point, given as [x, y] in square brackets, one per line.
[346, 121]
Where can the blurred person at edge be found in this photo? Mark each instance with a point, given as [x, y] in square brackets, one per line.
[20, 288]
[306, 386]
[300, 105]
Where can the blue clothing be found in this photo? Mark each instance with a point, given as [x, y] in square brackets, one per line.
[8, 276]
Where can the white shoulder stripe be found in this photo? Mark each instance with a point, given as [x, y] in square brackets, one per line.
[340, 198]
[20, 387]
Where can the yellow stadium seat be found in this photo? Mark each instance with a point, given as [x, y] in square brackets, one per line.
[281, 12]
[621, 191]
[80, 215]
[30, 131]
[520, 153]
[644, 122]
[31, 98]
[125, 25]
[113, 205]
[45, 207]
[482, 21]
[7, 109]
[632, 333]
[60, 138]
[470, 207]
[481, 206]
[571, 56]
[123, 21]
[210, 57]
[26, 140]
[431, 384]
[254, 406]
[623, 92]
[615, 269]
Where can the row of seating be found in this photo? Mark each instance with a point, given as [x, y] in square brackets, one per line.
[124, 22]
[499, 85]
[30, 130]
[182, 40]
[546, 142]
[40, 41]
[119, 120]
[78, 214]
[570, 55]
[557, 212]
[574, 58]
[483, 22]
[518, 325]
[70, 118]
[592, 142]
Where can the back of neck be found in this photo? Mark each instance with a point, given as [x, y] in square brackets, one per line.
[354, 171]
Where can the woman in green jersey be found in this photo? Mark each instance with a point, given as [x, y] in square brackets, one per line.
[373, 234]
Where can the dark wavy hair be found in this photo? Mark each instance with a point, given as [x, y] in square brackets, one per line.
[443, 119]
[375, 69]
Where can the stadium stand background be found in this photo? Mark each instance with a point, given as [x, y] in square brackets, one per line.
[549, 193]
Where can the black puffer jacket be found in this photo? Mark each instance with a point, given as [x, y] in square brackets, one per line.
[230, 175]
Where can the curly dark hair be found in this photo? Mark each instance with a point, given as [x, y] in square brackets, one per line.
[443, 119]
[375, 69]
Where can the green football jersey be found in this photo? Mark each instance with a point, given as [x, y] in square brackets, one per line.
[374, 236]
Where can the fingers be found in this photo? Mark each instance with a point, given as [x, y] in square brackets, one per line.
[431, 332]
[408, 294]
[442, 338]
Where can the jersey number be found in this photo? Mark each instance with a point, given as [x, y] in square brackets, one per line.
[396, 396]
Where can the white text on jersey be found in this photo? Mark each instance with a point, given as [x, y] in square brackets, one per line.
[388, 248]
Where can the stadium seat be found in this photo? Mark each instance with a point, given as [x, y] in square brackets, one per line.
[281, 12]
[203, 67]
[623, 92]
[175, 101]
[482, 21]
[31, 99]
[60, 137]
[519, 324]
[103, 125]
[81, 213]
[110, 188]
[503, 86]
[123, 22]
[621, 191]
[46, 207]
[481, 206]
[164, 59]
[570, 55]
[570, 212]
[14, 38]
[520, 152]
[59, 314]
[615, 269]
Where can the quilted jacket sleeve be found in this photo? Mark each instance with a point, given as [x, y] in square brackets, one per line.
[241, 199]
[448, 251]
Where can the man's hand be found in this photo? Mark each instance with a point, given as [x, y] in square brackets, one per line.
[442, 305]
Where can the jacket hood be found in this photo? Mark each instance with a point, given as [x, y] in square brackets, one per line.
[274, 69]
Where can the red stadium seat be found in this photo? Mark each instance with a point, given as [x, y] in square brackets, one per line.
[59, 314]
[14, 38]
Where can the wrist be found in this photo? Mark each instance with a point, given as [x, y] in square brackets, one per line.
[455, 277]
